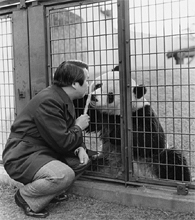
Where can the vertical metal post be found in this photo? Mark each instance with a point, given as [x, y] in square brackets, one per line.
[37, 49]
[21, 58]
[125, 84]
[48, 40]
[128, 85]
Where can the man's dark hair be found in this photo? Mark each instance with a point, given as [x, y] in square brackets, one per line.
[69, 72]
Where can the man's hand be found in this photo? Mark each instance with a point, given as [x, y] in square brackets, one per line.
[82, 155]
[83, 121]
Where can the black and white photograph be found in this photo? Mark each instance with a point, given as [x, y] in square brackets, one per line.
[97, 109]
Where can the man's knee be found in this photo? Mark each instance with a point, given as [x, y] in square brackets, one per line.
[63, 176]
[57, 175]
[69, 176]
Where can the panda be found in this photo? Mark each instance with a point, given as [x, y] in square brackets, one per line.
[151, 157]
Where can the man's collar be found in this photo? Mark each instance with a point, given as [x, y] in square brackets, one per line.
[66, 99]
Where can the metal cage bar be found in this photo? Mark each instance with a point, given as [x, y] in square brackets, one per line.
[7, 96]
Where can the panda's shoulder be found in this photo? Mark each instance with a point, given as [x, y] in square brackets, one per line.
[144, 110]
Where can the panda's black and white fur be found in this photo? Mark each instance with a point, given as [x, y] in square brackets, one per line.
[149, 145]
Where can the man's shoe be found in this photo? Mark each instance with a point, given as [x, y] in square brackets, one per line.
[60, 198]
[27, 210]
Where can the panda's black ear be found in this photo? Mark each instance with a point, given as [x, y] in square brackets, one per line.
[116, 68]
[139, 91]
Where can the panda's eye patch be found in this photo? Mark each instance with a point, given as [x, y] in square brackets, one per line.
[110, 97]
[97, 86]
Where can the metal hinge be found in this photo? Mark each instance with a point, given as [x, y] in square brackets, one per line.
[22, 4]
[21, 94]
[182, 189]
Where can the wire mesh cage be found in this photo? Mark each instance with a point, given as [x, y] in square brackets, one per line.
[7, 100]
[157, 39]
[141, 57]
[88, 32]
[162, 40]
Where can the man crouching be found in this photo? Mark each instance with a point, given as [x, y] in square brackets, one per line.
[45, 149]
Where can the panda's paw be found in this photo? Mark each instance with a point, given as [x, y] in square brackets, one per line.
[99, 155]
[119, 174]
[94, 157]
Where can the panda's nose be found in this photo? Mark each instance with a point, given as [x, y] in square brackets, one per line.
[93, 98]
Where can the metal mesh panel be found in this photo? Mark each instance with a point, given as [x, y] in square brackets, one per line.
[161, 56]
[162, 52]
[7, 102]
[88, 32]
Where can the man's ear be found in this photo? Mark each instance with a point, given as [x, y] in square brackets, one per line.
[74, 85]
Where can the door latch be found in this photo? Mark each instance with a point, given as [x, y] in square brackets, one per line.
[182, 189]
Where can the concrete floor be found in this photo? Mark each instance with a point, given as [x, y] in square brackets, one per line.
[151, 196]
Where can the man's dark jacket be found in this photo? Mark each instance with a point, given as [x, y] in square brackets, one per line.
[45, 130]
